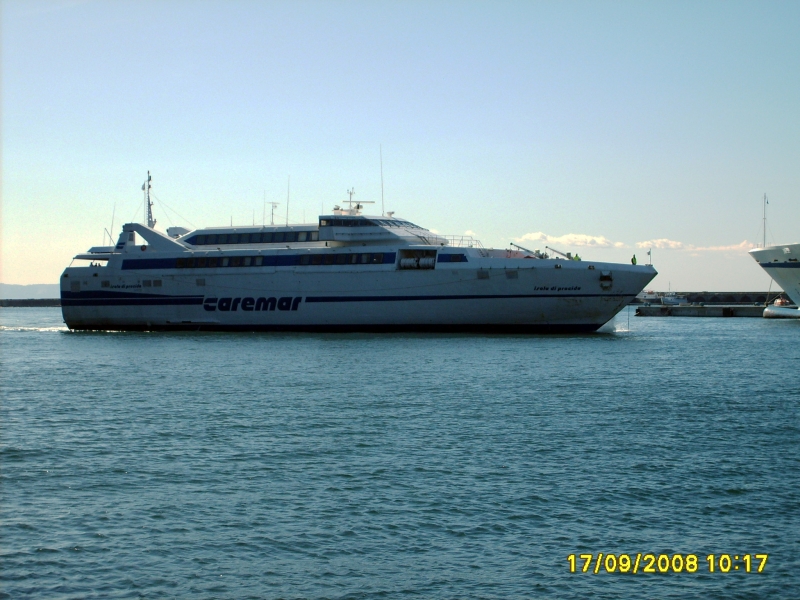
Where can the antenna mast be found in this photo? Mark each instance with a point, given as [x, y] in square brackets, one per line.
[383, 210]
[764, 245]
[274, 205]
[288, 188]
[151, 222]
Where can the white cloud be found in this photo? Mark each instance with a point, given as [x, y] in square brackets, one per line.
[470, 233]
[743, 247]
[665, 243]
[572, 239]
[660, 243]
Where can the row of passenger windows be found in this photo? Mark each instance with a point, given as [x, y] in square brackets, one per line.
[366, 258]
[265, 237]
[365, 223]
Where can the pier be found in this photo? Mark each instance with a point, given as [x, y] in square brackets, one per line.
[691, 310]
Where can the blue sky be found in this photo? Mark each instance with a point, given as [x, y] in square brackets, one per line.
[597, 127]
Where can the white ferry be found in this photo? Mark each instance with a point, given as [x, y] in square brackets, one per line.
[346, 272]
[783, 265]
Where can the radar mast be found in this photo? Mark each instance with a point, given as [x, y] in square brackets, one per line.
[151, 222]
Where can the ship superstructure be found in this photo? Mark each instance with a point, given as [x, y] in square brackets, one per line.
[346, 272]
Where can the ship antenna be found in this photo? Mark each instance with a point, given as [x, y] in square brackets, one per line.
[350, 193]
[766, 201]
[288, 188]
[383, 211]
[151, 222]
[272, 212]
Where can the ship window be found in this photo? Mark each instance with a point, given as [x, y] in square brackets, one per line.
[328, 259]
[211, 239]
[291, 236]
[222, 238]
[244, 238]
[236, 261]
[353, 259]
[255, 238]
[277, 237]
[225, 262]
[301, 236]
[305, 259]
[248, 260]
[212, 262]
[364, 259]
[180, 263]
[259, 260]
[200, 240]
[316, 259]
[377, 259]
[266, 237]
[341, 259]
[147, 283]
[314, 237]
[200, 262]
[233, 238]
[156, 283]
[190, 262]
[323, 222]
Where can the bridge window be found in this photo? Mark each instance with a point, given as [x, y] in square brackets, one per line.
[258, 261]
[211, 239]
[314, 236]
[277, 237]
[200, 240]
[247, 261]
[301, 236]
[341, 259]
[201, 262]
[222, 238]
[305, 259]
[328, 259]
[212, 262]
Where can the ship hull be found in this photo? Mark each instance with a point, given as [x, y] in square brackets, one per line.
[569, 298]
[782, 263]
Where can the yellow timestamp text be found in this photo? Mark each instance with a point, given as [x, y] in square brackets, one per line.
[608, 562]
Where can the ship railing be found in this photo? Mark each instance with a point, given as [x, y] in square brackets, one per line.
[462, 241]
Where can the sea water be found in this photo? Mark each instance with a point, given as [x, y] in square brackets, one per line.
[207, 465]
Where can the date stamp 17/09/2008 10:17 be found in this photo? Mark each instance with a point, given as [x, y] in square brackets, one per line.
[603, 562]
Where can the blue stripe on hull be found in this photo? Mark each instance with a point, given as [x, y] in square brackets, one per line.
[783, 265]
[454, 297]
[100, 298]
